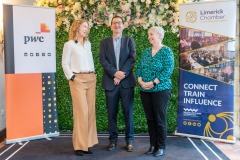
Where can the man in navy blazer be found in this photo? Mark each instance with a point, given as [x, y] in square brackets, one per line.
[117, 57]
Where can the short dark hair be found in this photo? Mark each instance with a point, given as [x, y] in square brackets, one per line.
[117, 17]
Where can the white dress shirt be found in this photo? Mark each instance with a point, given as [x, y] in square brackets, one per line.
[77, 58]
[117, 46]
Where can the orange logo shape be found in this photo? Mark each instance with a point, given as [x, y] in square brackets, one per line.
[43, 28]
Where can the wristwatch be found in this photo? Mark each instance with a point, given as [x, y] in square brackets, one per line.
[154, 83]
[72, 78]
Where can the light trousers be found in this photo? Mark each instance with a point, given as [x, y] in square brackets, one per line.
[83, 92]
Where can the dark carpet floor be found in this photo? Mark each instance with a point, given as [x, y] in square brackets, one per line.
[60, 148]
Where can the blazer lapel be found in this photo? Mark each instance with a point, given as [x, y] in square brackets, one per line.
[112, 53]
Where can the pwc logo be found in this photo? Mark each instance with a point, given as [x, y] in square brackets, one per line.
[43, 29]
[33, 39]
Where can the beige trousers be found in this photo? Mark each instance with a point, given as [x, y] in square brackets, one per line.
[83, 92]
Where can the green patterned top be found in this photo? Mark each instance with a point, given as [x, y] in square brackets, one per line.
[159, 66]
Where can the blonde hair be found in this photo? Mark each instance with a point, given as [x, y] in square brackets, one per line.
[158, 30]
[73, 32]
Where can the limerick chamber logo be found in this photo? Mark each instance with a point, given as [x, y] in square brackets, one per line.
[191, 16]
[43, 28]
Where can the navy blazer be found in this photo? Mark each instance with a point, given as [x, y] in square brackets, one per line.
[126, 62]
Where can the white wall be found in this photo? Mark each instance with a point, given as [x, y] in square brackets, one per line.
[24, 2]
[237, 81]
[2, 97]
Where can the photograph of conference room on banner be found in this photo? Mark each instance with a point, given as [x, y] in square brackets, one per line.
[221, 72]
[191, 39]
[207, 56]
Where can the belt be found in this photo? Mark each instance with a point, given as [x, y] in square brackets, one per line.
[84, 72]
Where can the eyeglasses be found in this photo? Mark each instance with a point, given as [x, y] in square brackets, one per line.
[115, 23]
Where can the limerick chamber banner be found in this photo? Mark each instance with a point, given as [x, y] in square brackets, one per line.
[30, 71]
[206, 70]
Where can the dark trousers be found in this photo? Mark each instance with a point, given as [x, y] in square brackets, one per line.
[126, 95]
[155, 107]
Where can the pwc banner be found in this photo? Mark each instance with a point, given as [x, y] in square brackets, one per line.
[30, 72]
[206, 70]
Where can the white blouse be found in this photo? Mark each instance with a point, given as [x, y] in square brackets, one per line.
[77, 58]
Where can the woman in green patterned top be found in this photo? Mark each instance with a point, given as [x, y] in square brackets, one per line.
[153, 73]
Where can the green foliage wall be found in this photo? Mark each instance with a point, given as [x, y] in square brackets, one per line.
[141, 41]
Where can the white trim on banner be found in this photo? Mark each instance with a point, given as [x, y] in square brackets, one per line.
[19, 140]
[203, 137]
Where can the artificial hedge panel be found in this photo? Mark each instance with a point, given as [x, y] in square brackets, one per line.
[96, 35]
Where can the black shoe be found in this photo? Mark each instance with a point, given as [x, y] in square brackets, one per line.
[88, 152]
[112, 146]
[158, 152]
[130, 147]
[150, 150]
[79, 152]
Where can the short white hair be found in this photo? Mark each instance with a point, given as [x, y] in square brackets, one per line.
[158, 30]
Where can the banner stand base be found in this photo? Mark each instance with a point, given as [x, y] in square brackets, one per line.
[207, 138]
[18, 140]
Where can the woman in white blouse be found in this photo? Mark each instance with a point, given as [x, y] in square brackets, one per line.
[78, 67]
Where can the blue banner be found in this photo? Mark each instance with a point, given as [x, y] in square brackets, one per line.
[205, 106]
[206, 70]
